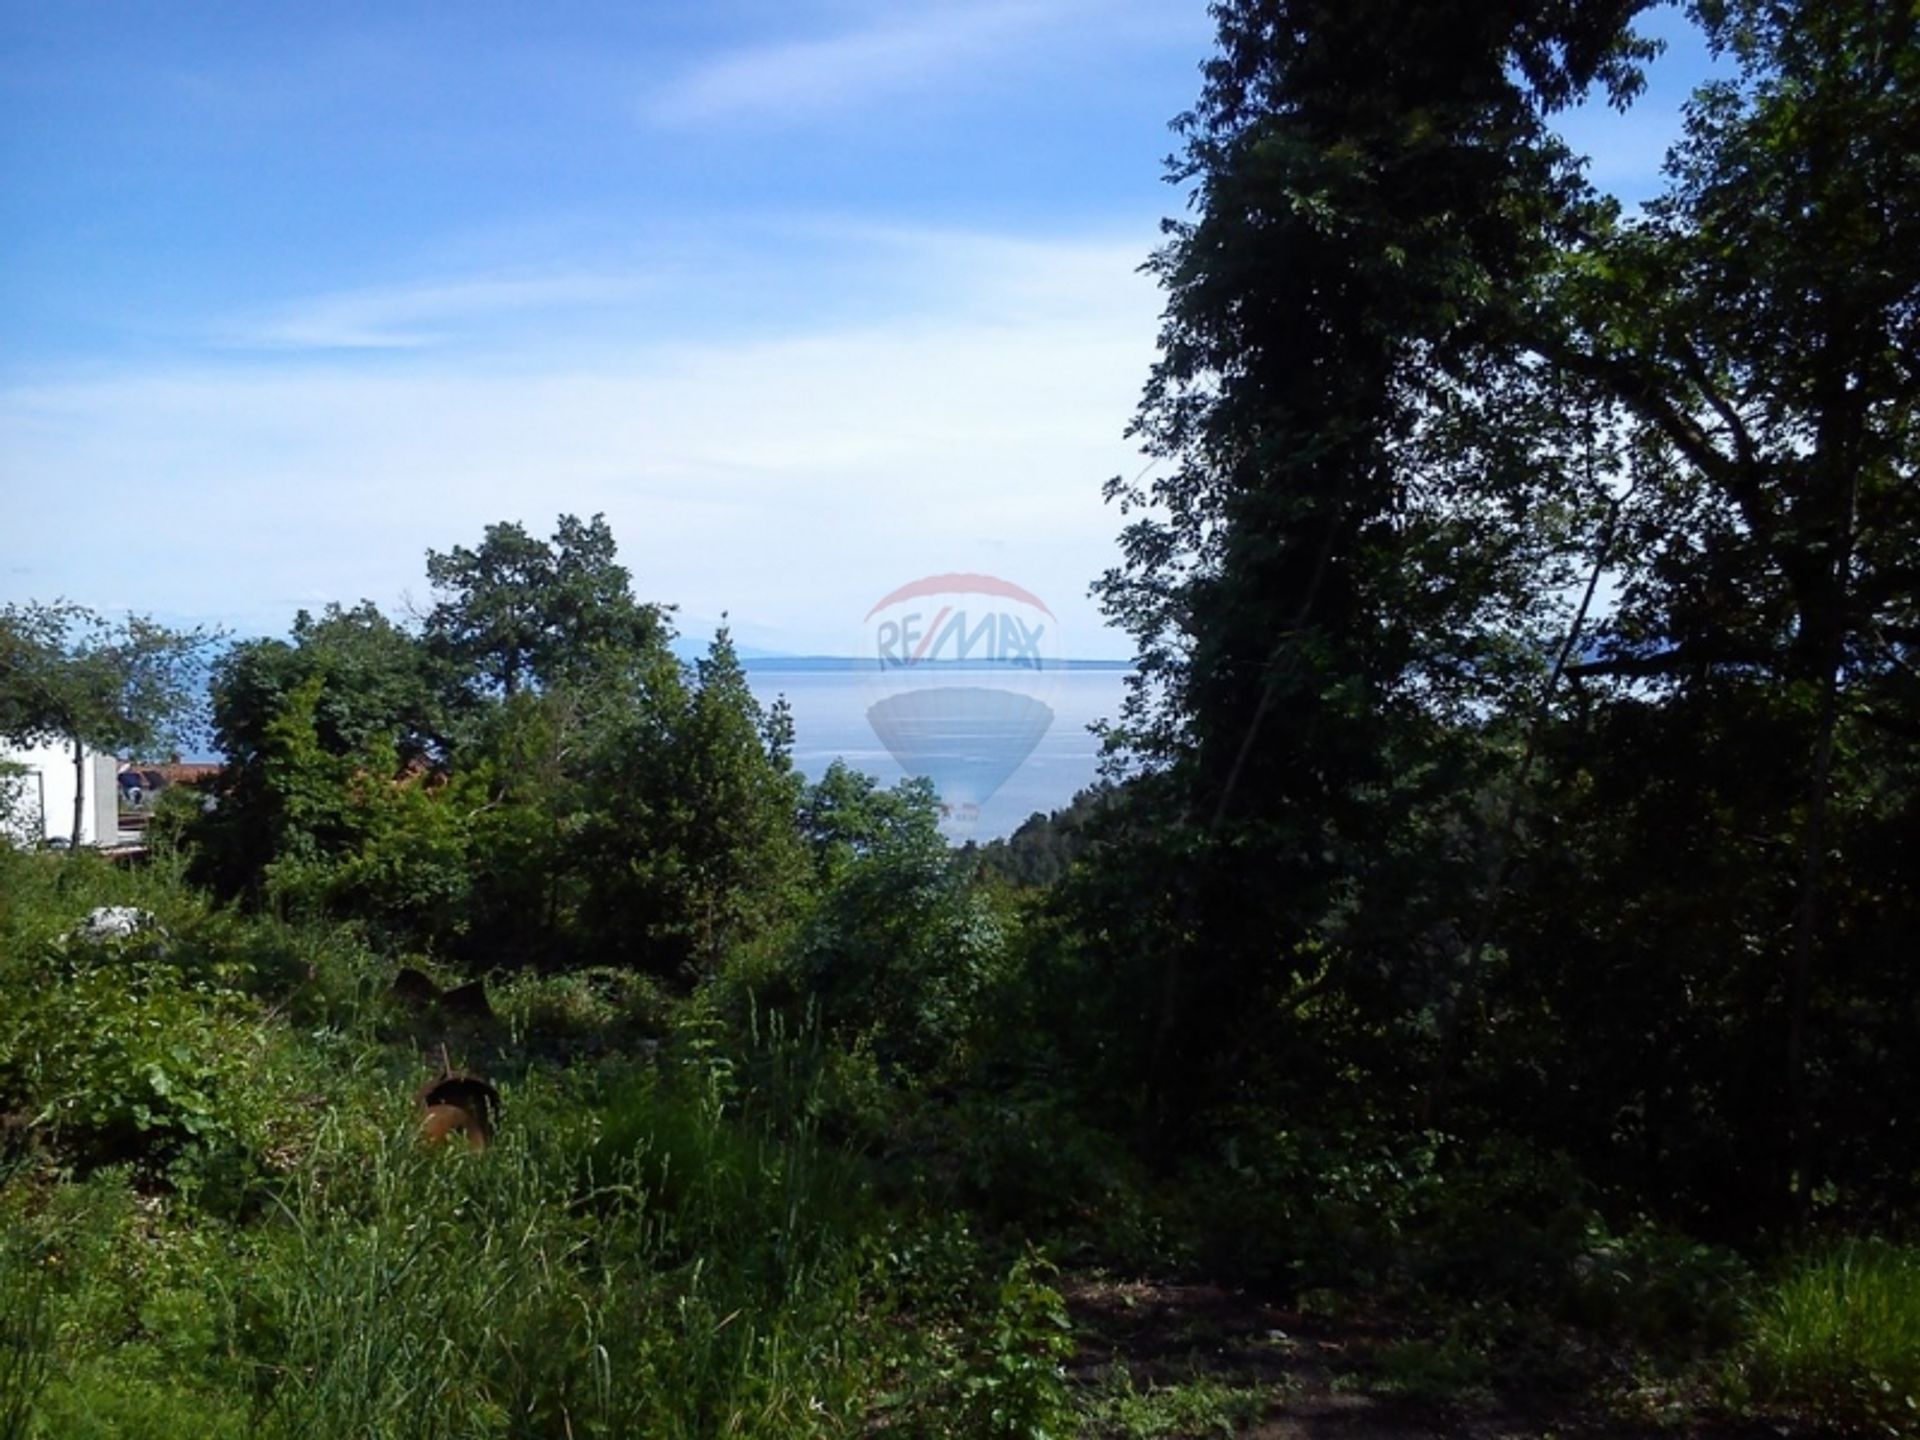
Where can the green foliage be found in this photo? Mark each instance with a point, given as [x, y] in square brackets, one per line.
[518, 613]
[144, 1049]
[1451, 1368]
[12, 800]
[1324, 580]
[123, 1054]
[67, 671]
[845, 817]
[691, 843]
[395, 854]
[902, 953]
[421, 1313]
[890, 950]
[1838, 1332]
[349, 698]
[1457, 942]
[697, 1167]
[535, 781]
[134, 1311]
[588, 1011]
[1667, 1293]
[105, 1401]
[1040, 851]
[1728, 758]
[410, 874]
[642, 1251]
[1525, 613]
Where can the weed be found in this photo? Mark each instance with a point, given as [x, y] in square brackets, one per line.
[1202, 1405]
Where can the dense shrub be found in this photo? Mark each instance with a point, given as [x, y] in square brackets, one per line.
[139, 1050]
[901, 953]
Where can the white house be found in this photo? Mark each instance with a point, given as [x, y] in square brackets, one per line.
[38, 805]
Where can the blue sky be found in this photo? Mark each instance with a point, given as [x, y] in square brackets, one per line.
[809, 298]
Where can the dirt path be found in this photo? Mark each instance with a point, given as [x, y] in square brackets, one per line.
[1295, 1376]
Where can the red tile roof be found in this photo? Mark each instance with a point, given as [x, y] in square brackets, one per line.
[175, 772]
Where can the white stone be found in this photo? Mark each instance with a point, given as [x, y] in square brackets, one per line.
[114, 922]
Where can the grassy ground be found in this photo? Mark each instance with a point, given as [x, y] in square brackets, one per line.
[217, 1218]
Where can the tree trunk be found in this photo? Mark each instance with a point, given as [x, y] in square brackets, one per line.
[79, 792]
[1825, 618]
[1806, 919]
[1433, 1101]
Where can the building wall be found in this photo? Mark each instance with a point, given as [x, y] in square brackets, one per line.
[106, 799]
[42, 799]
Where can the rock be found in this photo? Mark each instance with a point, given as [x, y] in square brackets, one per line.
[115, 922]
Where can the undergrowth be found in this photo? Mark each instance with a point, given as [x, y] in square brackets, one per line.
[218, 1217]
[706, 1214]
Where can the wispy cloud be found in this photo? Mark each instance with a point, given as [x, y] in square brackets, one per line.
[878, 60]
[414, 317]
[786, 477]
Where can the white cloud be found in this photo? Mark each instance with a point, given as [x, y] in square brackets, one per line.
[882, 58]
[418, 316]
[787, 478]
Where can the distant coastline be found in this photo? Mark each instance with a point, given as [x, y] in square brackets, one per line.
[857, 662]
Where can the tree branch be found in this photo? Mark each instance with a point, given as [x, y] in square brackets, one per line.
[1667, 662]
[1737, 475]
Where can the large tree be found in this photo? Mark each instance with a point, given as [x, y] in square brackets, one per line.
[98, 683]
[516, 612]
[348, 689]
[692, 844]
[1527, 601]
[533, 780]
[1742, 762]
[1322, 572]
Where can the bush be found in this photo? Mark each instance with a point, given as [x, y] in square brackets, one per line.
[903, 953]
[134, 1050]
[131, 1294]
[104, 1401]
[590, 1011]
[1660, 1290]
[1200, 1405]
[692, 1280]
[1016, 1386]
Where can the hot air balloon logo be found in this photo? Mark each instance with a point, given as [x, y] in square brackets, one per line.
[962, 670]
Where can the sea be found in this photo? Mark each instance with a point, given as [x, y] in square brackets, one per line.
[832, 700]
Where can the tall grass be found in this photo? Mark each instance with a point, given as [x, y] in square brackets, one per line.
[1839, 1332]
[26, 1337]
[695, 1280]
[680, 1280]
[435, 1297]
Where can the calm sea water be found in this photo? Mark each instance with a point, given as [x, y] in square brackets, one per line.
[830, 722]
